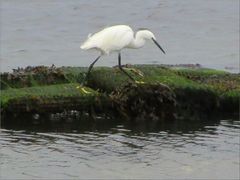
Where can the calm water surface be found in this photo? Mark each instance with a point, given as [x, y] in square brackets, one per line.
[190, 150]
[46, 32]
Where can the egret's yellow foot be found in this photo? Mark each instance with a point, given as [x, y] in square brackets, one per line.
[139, 82]
[136, 71]
[83, 90]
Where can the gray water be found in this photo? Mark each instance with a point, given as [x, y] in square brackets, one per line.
[178, 151]
[46, 32]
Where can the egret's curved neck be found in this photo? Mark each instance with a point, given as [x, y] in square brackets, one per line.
[137, 42]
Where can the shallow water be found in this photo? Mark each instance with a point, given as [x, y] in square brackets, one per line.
[178, 150]
[50, 32]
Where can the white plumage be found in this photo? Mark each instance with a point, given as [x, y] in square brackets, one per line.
[109, 39]
[115, 38]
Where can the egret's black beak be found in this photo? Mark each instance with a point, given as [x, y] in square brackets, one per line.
[158, 45]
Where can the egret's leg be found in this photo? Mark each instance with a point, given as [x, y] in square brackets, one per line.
[89, 69]
[120, 67]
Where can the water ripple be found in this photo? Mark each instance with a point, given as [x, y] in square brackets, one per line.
[119, 149]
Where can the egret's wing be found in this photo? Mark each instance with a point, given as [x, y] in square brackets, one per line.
[109, 39]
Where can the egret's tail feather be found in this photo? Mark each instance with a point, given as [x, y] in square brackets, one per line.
[88, 44]
[84, 47]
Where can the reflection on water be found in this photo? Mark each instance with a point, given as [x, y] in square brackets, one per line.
[190, 150]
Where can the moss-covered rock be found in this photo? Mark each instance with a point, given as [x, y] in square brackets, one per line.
[47, 98]
[200, 89]
[161, 92]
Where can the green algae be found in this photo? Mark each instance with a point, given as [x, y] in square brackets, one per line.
[193, 91]
[197, 90]
[109, 79]
[41, 93]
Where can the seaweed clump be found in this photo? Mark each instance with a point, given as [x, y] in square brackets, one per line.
[32, 76]
[145, 102]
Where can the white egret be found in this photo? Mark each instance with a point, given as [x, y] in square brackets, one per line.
[116, 38]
